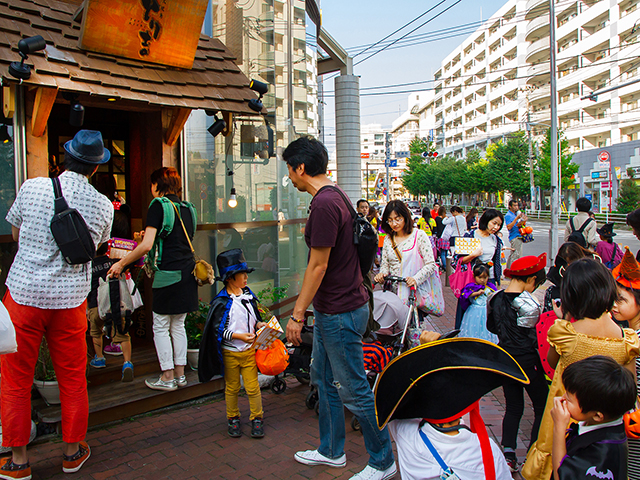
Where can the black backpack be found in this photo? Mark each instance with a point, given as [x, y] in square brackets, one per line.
[577, 236]
[365, 237]
[70, 231]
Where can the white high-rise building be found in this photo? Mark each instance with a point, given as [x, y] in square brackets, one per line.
[488, 85]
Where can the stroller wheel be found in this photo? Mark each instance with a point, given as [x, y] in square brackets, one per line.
[278, 385]
[312, 399]
[355, 424]
[303, 379]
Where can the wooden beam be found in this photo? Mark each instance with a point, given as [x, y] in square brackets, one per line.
[178, 119]
[9, 100]
[45, 98]
[228, 118]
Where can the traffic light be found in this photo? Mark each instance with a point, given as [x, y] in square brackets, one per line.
[429, 154]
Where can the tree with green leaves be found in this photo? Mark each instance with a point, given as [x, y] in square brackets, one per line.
[629, 193]
[508, 165]
[414, 176]
[542, 171]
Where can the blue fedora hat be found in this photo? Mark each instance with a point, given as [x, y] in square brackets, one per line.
[87, 147]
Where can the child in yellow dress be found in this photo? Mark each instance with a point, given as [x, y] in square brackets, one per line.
[588, 294]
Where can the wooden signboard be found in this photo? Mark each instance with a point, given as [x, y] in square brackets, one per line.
[157, 31]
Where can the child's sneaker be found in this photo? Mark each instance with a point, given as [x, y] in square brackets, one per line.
[73, 463]
[257, 430]
[11, 471]
[512, 462]
[234, 427]
[127, 372]
[113, 349]
[98, 362]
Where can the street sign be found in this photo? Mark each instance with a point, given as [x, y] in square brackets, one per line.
[393, 163]
[596, 175]
[364, 155]
[604, 158]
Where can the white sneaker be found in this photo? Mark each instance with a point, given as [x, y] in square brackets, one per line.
[313, 457]
[181, 381]
[370, 473]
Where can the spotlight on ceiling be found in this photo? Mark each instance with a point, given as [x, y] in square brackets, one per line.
[260, 87]
[76, 112]
[26, 46]
[4, 135]
[233, 201]
[217, 126]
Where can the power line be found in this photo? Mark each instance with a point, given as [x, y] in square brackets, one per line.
[417, 28]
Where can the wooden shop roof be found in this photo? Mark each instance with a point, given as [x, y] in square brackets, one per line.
[215, 82]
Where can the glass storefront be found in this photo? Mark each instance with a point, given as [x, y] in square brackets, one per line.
[268, 220]
[7, 176]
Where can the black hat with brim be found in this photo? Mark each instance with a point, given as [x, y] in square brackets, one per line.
[441, 380]
[606, 230]
[232, 262]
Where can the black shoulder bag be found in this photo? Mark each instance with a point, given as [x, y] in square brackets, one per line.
[70, 231]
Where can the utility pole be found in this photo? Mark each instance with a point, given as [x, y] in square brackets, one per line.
[555, 199]
[367, 193]
[387, 161]
[531, 182]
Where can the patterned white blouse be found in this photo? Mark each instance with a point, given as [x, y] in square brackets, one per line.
[390, 265]
[39, 276]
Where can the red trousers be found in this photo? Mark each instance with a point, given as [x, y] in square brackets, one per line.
[65, 331]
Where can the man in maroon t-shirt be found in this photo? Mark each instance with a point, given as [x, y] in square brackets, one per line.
[334, 283]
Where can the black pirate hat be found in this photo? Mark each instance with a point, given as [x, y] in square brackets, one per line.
[440, 381]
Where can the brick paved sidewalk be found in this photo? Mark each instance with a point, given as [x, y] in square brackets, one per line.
[190, 442]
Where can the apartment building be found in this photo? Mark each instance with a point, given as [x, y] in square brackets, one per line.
[372, 156]
[488, 85]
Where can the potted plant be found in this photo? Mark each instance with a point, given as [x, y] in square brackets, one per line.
[194, 326]
[45, 376]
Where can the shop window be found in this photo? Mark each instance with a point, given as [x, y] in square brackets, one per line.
[7, 176]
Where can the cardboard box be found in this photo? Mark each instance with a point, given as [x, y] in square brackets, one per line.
[267, 334]
[121, 247]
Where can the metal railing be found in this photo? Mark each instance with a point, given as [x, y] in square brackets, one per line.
[620, 219]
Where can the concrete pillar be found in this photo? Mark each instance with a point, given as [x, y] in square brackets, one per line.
[347, 111]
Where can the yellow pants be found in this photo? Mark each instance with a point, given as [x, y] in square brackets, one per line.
[236, 364]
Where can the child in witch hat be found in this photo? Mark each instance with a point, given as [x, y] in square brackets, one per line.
[512, 314]
[227, 341]
[606, 248]
[627, 308]
[431, 440]
[587, 296]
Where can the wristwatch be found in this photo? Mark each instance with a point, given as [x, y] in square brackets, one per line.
[294, 319]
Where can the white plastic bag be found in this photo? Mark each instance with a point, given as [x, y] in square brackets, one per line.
[7, 332]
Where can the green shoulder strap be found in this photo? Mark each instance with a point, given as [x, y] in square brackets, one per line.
[168, 220]
[194, 214]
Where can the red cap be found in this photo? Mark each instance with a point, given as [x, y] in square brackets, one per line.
[525, 266]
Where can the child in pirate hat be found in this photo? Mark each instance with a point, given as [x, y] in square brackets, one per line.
[431, 440]
[227, 341]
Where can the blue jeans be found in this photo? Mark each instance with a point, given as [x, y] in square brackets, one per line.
[337, 371]
[443, 258]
